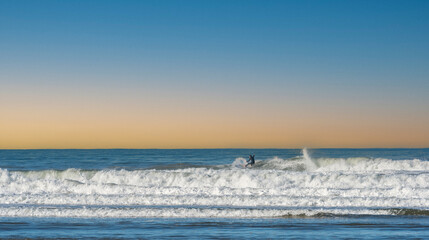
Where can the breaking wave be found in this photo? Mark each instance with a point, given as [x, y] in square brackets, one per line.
[299, 186]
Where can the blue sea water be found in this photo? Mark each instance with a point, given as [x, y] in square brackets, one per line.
[207, 193]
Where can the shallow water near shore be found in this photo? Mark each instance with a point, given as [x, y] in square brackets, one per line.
[368, 227]
[198, 193]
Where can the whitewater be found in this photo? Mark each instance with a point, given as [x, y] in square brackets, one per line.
[300, 185]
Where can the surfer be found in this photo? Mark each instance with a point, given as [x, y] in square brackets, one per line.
[251, 160]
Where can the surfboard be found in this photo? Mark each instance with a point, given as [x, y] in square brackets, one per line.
[245, 166]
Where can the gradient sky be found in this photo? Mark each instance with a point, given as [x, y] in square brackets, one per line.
[213, 74]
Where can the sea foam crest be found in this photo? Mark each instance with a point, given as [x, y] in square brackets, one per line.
[285, 184]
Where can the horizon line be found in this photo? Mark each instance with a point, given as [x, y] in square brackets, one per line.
[214, 148]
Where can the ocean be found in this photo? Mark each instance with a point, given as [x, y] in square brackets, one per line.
[207, 193]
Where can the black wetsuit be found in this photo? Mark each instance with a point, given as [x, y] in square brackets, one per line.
[251, 160]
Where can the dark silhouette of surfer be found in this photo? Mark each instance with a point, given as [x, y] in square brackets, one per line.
[251, 160]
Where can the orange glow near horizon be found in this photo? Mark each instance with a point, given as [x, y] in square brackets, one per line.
[59, 125]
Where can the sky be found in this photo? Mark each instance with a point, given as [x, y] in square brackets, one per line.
[214, 74]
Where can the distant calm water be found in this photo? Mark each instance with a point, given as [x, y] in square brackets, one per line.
[288, 193]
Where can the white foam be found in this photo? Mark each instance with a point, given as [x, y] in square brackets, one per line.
[311, 165]
[239, 163]
[329, 183]
[180, 212]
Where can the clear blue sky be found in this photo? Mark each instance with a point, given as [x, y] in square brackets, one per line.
[277, 59]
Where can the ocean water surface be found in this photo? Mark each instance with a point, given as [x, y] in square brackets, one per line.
[207, 193]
